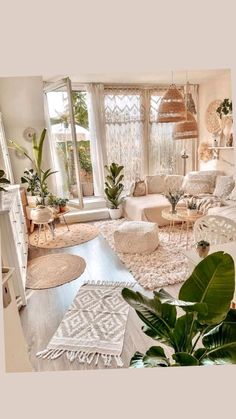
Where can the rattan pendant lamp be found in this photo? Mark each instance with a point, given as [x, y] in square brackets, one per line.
[186, 129]
[172, 107]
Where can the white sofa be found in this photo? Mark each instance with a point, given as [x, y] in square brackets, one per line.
[204, 184]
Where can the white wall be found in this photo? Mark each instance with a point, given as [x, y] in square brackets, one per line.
[21, 104]
[216, 88]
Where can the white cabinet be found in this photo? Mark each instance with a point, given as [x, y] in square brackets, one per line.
[14, 239]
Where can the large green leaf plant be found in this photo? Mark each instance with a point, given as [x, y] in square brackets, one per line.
[205, 332]
[113, 185]
[36, 161]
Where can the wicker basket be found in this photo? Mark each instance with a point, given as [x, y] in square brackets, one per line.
[172, 107]
[186, 129]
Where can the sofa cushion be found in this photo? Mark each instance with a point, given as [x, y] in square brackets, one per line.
[224, 186]
[207, 180]
[199, 185]
[173, 183]
[155, 184]
[232, 195]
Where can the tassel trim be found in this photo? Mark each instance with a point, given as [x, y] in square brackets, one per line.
[81, 356]
[111, 283]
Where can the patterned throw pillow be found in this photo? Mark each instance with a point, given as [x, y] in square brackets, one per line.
[199, 185]
[155, 184]
[232, 196]
[204, 177]
[224, 186]
[173, 183]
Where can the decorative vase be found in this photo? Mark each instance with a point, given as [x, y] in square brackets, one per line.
[203, 250]
[115, 213]
[41, 214]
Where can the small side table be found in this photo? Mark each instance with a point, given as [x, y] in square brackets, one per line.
[41, 225]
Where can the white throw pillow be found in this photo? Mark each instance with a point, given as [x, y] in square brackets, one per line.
[209, 176]
[173, 183]
[198, 186]
[155, 184]
[224, 186]
[232, 196]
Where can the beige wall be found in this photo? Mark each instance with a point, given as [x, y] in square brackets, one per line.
[216, 88]
[21, 104]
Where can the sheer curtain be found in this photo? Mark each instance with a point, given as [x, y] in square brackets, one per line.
[98, 136]
[165, 152]
[124, 122]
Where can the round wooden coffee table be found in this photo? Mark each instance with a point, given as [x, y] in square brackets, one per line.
[181, 216]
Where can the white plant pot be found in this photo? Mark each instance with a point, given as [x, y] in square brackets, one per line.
[191, 212]
[41, 215]
[115, 213]
[33, 200]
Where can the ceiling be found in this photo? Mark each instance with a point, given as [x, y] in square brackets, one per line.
[160, 77]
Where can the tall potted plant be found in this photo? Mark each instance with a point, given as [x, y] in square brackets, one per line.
[86, 168]
[205, 334]
[36, 161]
[113, 189]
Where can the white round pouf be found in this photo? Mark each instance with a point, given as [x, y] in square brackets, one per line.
[136, 237]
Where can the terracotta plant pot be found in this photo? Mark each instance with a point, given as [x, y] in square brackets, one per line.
[87, 188]
[63, 209]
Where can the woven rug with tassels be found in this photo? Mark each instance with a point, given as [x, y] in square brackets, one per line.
[93, 327]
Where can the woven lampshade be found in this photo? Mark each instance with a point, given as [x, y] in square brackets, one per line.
[172, 107]
[187, 129]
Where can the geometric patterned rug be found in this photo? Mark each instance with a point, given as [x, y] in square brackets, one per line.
[93, 327]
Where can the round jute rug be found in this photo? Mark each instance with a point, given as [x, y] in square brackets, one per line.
[53, 270]
[78, 233]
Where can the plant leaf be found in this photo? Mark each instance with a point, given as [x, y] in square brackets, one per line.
[158, 318]
[154, 357]
[212, 282]
[187, 306]
[185, 359]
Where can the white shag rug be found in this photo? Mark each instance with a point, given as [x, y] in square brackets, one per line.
[165, 266]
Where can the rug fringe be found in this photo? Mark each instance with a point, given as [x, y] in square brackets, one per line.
[81, 356]
[111, 283]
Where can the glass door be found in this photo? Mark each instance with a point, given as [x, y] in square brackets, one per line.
[63, 140]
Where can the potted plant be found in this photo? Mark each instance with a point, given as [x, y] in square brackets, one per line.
[33, 185]
[3, 181]
[205, 334]
[113, 189]
[225, 108]
[192, 206]
[173, 198]
[86, 168]
[53, 202]
[203, 248]
[62, 204]
[36, 161]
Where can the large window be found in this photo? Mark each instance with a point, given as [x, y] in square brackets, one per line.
[59, 117]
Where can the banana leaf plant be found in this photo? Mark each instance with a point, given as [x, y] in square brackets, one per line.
[36, 161]
[114, 186]
[205, 332]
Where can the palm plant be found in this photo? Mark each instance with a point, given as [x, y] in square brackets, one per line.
[80, 112]
[205, 298]
[114, 186]
[36, 160]
[3, 180]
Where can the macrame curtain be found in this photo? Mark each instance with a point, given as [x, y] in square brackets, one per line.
[124, 122]
[163, 151]
[136, 140]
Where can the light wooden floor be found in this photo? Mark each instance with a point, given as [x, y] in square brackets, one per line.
[46, 308]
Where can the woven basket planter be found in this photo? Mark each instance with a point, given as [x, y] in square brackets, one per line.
[186, 129]
[172, 107]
